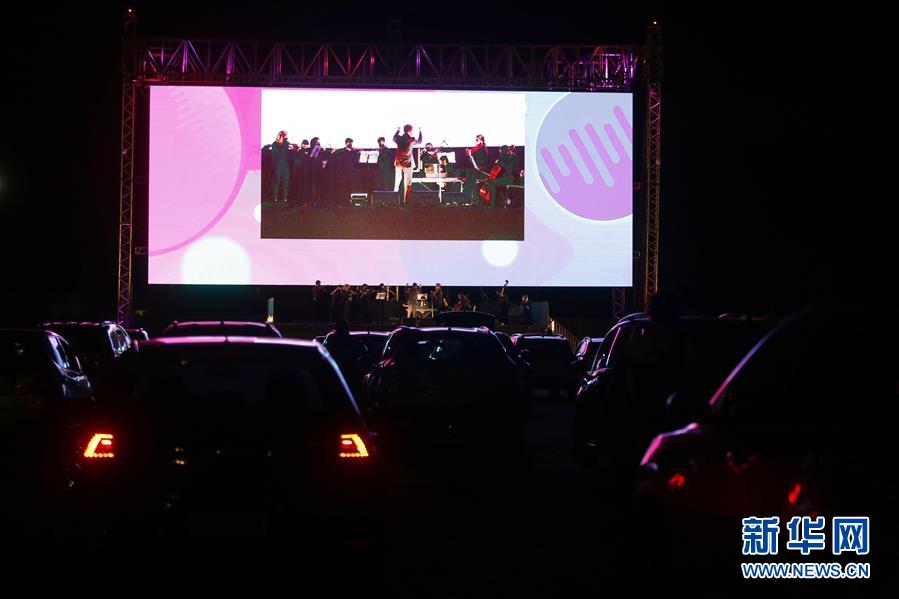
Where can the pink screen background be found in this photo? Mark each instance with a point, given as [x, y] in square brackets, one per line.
[204, 204]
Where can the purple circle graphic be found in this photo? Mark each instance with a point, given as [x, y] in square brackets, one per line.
[584, 160]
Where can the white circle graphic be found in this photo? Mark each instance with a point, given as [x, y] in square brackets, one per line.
[215, 261]
[499, 253]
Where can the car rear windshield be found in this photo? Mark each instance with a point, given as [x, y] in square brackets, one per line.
[219, 377]
[450, 346]
[547, 350]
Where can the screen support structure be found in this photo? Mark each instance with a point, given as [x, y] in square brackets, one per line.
[652, 163]
[126, 172]
[591, 68]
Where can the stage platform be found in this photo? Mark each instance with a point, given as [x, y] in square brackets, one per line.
[313, 330]
[288, 221]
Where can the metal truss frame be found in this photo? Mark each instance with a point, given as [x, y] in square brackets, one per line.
[159, 61]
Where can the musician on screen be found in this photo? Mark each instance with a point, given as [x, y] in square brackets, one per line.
[403, 161]
[428, 155]
[478, 153]
[384, 180]
[281, 153]
[502, 174]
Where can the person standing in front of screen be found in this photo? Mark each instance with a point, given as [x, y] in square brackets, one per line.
[403, 161]
[281, 163]
[527, 318]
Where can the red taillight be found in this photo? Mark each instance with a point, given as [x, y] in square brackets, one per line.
[677, 481]
[101, 445]
[352, 446]
[793, 495]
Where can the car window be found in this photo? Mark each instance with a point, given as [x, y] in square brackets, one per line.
[69, 361]
[87, 341]
[604, 348]
[549, 349]
[219, 379]
[124, 340]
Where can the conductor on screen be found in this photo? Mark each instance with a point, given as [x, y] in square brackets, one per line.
[403, 161]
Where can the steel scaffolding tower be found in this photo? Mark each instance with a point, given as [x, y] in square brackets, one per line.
[126, 169]
[652, 163]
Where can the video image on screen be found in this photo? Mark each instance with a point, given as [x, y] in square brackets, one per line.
[230, 205]
[456, 173]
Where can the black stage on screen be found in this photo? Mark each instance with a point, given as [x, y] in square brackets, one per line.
[387, 220]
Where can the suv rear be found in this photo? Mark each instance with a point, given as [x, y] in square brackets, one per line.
[551, 360]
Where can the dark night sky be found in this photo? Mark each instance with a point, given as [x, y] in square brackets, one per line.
[773, 141]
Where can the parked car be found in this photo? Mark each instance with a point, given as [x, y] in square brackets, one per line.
[622, 401]
[235, 328]
[95, 343]
[188, 428]
[440, 390]
[44, 398]
[39, 371]
[795, 429]
[551, 361]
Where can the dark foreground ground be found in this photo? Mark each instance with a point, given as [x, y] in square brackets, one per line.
[543, 528]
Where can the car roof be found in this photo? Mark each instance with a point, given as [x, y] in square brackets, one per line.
[218, 323]
[361, 333]
[75, 323]
[29, 332]
[210, 340]
[467, 330]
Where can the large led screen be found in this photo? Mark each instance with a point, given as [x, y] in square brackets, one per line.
[285, 186]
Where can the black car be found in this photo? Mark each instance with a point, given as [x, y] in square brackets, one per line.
[442, 389]
[44, 399]
[622, 402]
[95, 343]
[221, 328]
[794, 430]
[551, 360]
[38, 371]
[191, 428]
